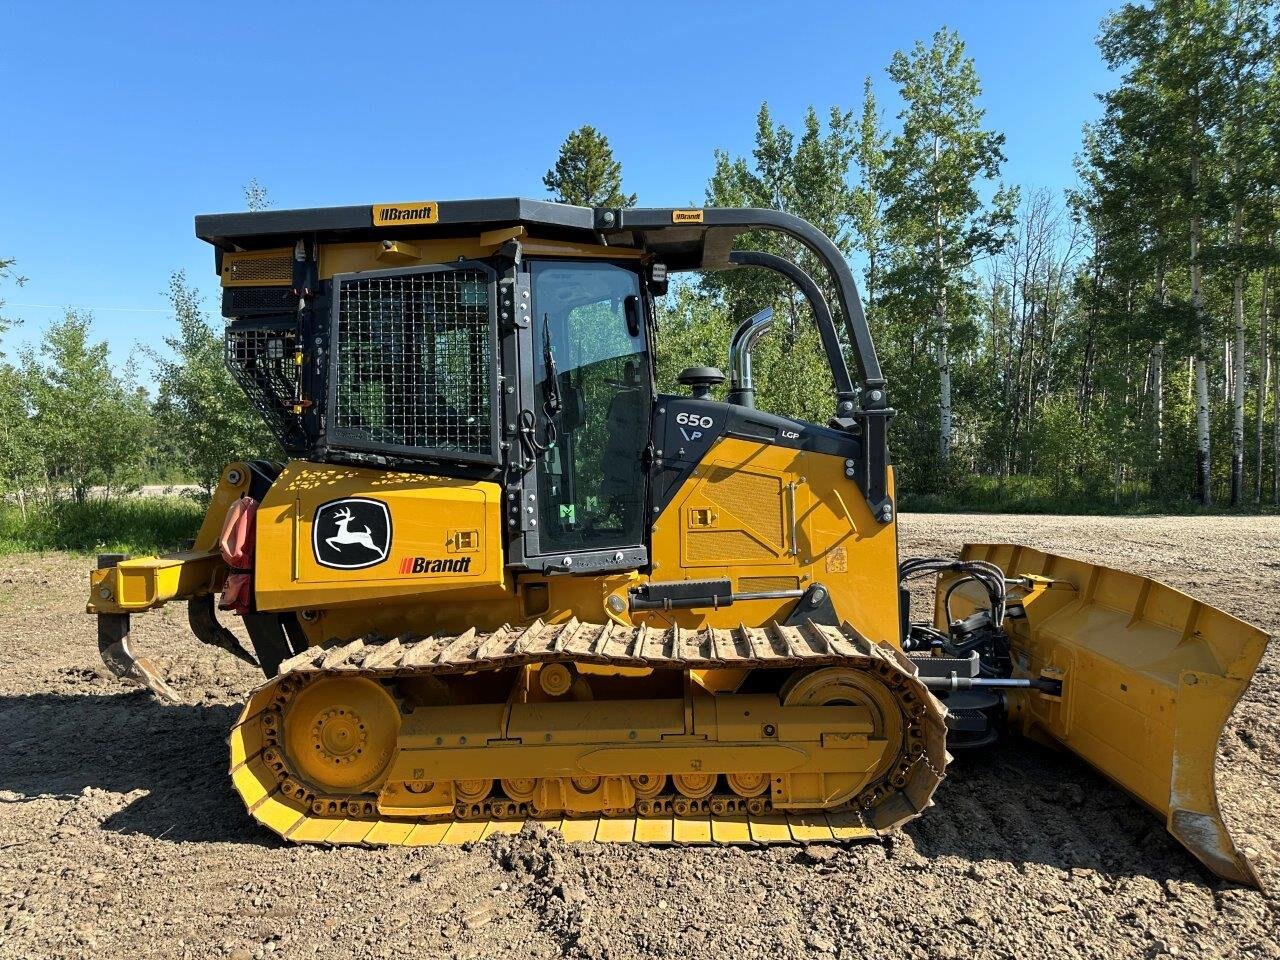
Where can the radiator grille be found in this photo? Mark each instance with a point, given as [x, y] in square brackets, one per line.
[262, 361]
[415, 362]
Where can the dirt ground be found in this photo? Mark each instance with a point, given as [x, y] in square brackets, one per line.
[119, 834]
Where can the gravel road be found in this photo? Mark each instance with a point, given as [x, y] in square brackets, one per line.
[119, 834]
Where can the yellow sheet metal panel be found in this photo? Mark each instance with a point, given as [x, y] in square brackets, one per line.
[578, 831]
[753, 510]
[769, 828]
[848, 825]
[809, 827]
[443, 536]
[427, 834]
[731, 829]
[253, 780]
[246, 742]
[390, 832]
[501, 826]
[313, 829]
[279, 813]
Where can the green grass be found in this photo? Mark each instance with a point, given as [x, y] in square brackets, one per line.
[1021, 494]
[149, 525]
[136, 525]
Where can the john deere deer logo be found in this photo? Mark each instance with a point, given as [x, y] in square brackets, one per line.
[351, 534]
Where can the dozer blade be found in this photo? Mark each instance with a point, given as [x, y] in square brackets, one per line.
[1149, 678]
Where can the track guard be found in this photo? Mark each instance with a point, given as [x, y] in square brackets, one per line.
[1150, 677]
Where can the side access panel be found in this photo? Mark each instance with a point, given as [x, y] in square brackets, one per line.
[1149, 678]
[329, 535]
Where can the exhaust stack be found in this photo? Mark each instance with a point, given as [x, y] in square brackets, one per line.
[741, 390]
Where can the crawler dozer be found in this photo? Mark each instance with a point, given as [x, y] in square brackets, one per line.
[500, 577]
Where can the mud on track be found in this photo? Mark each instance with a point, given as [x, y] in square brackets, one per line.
[119, 834]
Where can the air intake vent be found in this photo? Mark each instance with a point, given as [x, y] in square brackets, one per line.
[245, 269]
[257, 301]
[414, 363]
[261, 358]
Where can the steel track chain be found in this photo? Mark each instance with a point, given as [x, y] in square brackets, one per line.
[901, 793]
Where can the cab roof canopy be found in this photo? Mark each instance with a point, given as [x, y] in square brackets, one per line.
[682, 239]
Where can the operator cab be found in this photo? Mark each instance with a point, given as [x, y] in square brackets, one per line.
[512, 341]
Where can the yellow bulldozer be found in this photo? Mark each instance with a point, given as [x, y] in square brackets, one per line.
[501, 577]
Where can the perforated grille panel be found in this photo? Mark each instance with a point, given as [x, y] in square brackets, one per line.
[257, 268]
[251, 301]
[767, 584]
[725, 546]
[415, 363]
[262, 361]
[754, 497]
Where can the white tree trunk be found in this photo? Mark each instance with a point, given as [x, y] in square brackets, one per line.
[1264, 378]
[1203, 492]
[1157, 402]
[1202, 432]
[1237, 375]
[1157, 384]
[944, 391]
[944, 361]
[1275, 419]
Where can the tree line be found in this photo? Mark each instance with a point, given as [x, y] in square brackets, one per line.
[1111, 347]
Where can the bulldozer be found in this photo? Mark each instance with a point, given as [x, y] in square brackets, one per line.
[500, 577]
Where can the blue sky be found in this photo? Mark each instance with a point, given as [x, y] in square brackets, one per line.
[120, 122]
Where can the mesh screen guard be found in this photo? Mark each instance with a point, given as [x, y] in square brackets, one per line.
[260, 357]
[413, 363]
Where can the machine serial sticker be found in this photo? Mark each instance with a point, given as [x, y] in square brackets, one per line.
[351, 534]
[686, 216]
[399, 214]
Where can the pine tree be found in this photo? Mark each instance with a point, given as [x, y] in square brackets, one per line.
[586, 173]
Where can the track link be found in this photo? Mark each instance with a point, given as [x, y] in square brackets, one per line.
[287, 803]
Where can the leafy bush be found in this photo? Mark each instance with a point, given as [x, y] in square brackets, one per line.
[135, 525]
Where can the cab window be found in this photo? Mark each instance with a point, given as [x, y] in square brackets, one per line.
[594, 396]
